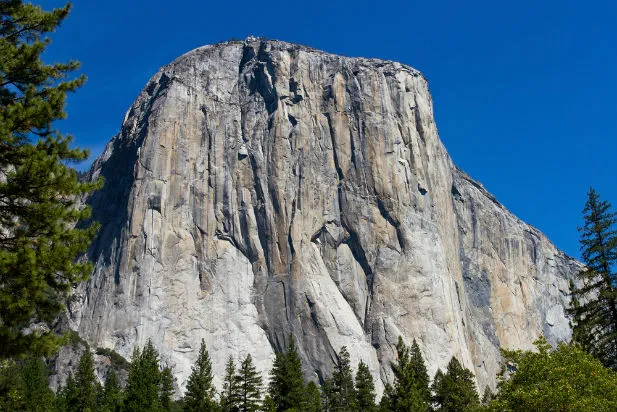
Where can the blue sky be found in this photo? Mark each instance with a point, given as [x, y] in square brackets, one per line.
[525, 92]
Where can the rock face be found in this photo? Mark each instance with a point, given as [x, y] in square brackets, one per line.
[259, 190]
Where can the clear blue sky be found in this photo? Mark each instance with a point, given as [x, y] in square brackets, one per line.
[525, 92]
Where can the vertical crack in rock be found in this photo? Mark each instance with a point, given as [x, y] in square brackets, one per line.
[339, 172]
[392, 221]
[289, 236]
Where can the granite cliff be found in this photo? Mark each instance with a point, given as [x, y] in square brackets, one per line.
[259, 190]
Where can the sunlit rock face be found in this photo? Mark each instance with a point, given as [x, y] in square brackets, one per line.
[259, 190]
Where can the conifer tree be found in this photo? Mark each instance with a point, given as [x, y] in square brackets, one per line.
[249, 386]
[39, 242]
[67, 399]
[11, 395]
[143, 384]
[166, 391]
[200, 392]
[86, 383]
[365, 388]
[112, 393]
[312, 398]
[35, 379]
[594, 299]
[411, 383]
[343, 396]
[327, 395]
[230, 396]
[455, 390]
[286, 388]
[488, 396]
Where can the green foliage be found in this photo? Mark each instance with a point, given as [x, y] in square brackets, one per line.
[36, 394]
[249, 386]
[143, 385]
[11, 395]
[488, 396]
[564, 379]
[117, 361]
[455, 390]
[594, 300]
[67, 398]
[200, 392]
[312, 398]
[365, 388]
[343, 393]
[86, 383]
[38, 191]
[327, 395]
[411, 382]
[24, 386]
[166, 389]
[230, 396]
[112, 397]
[286, 388]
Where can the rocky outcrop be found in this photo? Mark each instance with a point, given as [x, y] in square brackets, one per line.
[259, 190]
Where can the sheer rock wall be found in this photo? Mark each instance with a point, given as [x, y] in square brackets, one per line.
[261, 189]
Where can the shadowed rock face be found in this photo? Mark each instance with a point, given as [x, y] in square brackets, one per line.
[262, 189]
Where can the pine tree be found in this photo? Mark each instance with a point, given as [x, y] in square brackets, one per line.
[365, 388]
[86, 383]
[11, 393]
[39, 242]
[143, 384]
[200, 392]
[35, 379]
[488, 396]
[343, 391]
[230, 397]
[594, 299]
[312, 400]
[411, 383]
[327, 395]
[67, 399]
[166, 391]
[249, 386]
[112, 393]
[286, 388]
[455, 390]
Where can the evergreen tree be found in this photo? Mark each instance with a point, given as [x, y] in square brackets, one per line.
[35, 379]
[39, 242]
[249, 386]
[67, 399]
[286, 388]
[312, 398]
[112, 393]
[327, 395]
[594, 299]
[343, 391]
[230, 397]
[167, 390]
[143, 384]
[86, 383]
[200, 392]
[365, 388]
[455, 390]
[411, 382]
[488, 396]
[11, 393]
